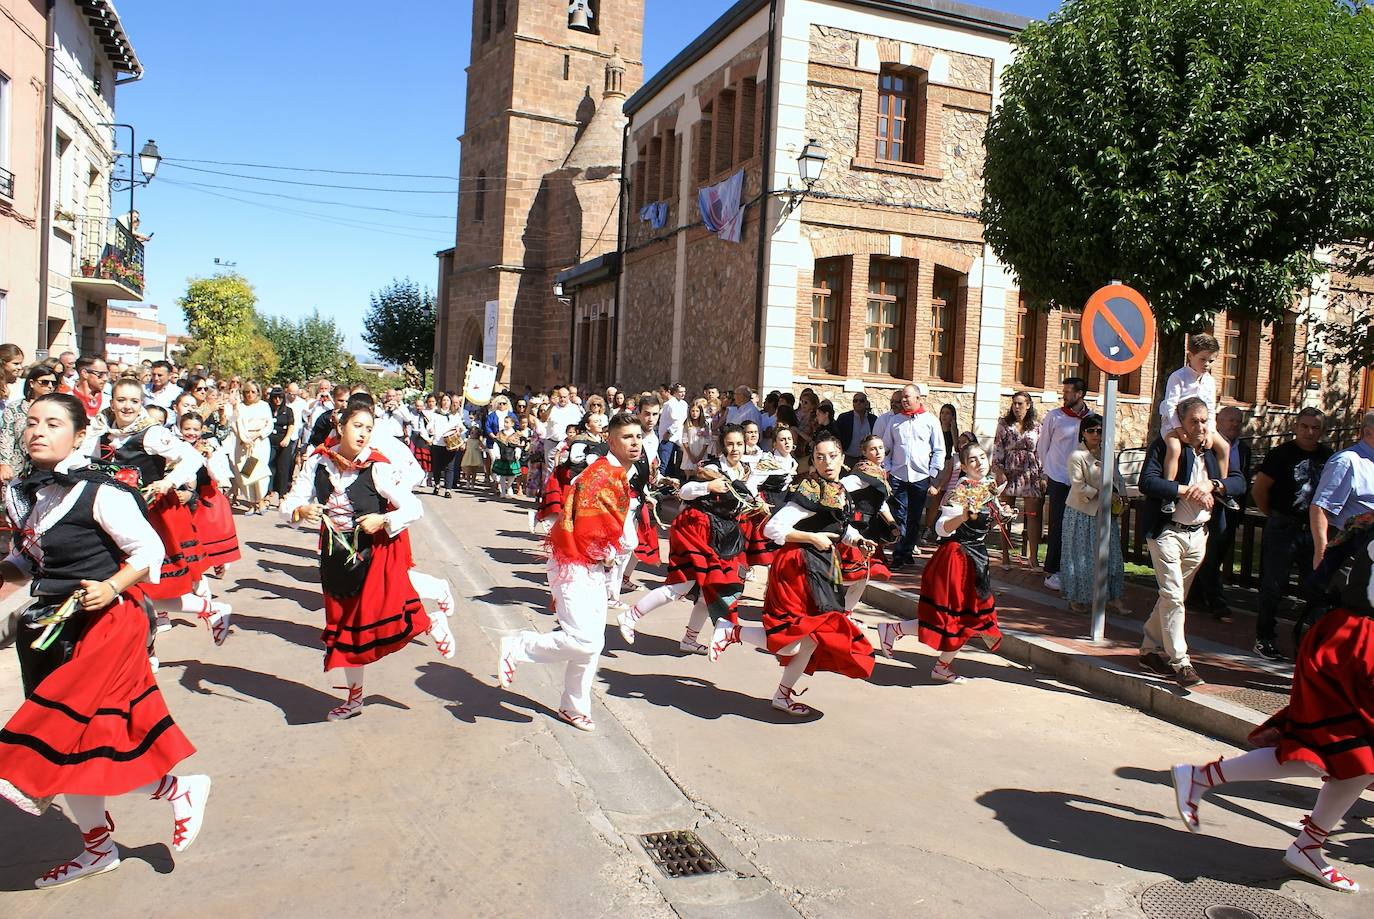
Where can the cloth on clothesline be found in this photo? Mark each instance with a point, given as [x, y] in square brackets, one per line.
[721, 208]
[655, 215]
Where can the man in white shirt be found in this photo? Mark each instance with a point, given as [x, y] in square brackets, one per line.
[894, 409]
[670, 422]
[161, 390]
[744, 408]
[391, 419]
[1059, 438]
[563, 413]
[915, 455]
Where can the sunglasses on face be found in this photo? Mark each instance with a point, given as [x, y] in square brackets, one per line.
[98, 373]
[1092, 430]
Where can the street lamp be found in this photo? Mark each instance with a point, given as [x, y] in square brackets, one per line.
[811, 162]
[148, 160]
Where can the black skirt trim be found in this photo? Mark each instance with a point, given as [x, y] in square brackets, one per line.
[81, 756]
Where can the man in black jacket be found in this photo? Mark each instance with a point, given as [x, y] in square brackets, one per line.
[853, 426]
[1178, 541]
[1207, 593]
[324, 425]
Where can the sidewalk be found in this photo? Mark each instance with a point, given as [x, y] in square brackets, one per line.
[1241, 691]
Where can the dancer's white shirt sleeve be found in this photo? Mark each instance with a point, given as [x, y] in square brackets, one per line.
[691, 491]
[183, 460]
[787, 517]
[302, 491]
[117, 513]
[390, 485]
[945, 526]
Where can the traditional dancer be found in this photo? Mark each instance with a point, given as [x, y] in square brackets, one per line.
[575, 455]
[956, 600]
[372, 608]
[804, 619]
[148, 456]
[1326, 729]
[210, 509]
[771, 476]
[641, 530]
[583, 546]
[869, 490]
[93, 723]
[705, 546]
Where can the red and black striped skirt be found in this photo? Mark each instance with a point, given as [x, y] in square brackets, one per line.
[790, 613]
[184, 560]
[380, 619]
[949, 610]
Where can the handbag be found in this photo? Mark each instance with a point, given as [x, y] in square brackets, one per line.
[253, 469]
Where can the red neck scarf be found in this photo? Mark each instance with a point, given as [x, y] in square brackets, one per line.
[913, 412]
[344, 464]
[593, 518]
[1080, 412]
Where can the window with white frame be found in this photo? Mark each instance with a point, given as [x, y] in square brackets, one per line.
[6, 175]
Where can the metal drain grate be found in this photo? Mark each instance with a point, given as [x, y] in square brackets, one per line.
[1217, 900]
[680, 853]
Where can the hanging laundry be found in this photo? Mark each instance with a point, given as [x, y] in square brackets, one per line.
[721, 209]
[655, 215]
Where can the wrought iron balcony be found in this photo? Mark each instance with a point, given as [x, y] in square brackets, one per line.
[109, 260]
[6, 183]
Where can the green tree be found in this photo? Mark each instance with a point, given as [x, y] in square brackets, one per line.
[221, 322]
[399, 325]
[308, 347]
[1199, 150]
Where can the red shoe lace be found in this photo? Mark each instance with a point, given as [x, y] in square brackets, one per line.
[1318, 837]
[1212, 776]
[886, 638]
[355, 694]
[731, 638]
[788, 694]
[508, 669]
[93, 839]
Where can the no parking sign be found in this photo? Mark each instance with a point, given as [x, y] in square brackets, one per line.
[1118, 329]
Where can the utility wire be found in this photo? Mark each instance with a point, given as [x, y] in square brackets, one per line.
[393, 191]
[345, 172]
[348, 204]
[385, 228]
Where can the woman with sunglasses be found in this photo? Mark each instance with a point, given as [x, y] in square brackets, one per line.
[1080, 524]
[39, 381]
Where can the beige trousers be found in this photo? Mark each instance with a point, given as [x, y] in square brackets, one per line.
[1176, 556]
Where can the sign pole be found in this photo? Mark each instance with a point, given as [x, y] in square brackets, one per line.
[1102, 566]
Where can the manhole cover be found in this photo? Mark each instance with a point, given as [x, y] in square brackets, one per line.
[1261, 700]
[680, 853]
[1205, 898]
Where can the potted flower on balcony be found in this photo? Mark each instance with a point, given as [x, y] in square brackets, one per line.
[87, 268]
[63, 216]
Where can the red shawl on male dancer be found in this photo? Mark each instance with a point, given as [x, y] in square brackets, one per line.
[592, 522]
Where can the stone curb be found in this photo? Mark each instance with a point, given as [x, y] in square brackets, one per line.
[1206, 714]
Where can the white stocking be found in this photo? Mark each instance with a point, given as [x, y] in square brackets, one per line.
[187, 603]
[1255, 766]
[753, 635]
[697, 621]
[88, 811]
[659, 597]
[947, 657]
[853, 594]
[431, 588]
[1336, 798]
[796, 667]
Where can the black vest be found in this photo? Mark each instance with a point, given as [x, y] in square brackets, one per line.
[362, 494]
[76, 549]
[132, 455]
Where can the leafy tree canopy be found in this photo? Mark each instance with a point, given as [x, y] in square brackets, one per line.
[399, 325]
[1199, 150]
[222, 324]
[309, 347]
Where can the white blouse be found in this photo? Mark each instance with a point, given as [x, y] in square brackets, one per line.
[386, 478]
[786, 518]
[115, 511]
[183, 460]
[691, 491]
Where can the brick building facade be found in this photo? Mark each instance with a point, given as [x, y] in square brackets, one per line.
[539, 180]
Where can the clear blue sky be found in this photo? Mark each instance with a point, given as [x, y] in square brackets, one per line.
[351, 86]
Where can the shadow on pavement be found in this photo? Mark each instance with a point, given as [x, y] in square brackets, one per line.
[695, 697]
[30, 846]
[515, 557]
[298, 551]
[305, 574]
[306, 599]
[470, 699]
[1106, 831]
[918, 674]
[307, 636]
[644, 646]
[299, 704]
[533, 597]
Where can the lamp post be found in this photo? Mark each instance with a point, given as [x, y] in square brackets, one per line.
[810, 164]
[148, 160]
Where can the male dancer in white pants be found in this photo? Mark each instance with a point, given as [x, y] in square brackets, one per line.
[583, 549]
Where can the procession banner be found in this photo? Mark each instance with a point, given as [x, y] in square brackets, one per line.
[479, 382]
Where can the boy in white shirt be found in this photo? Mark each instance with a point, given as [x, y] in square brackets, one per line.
[1193, 379]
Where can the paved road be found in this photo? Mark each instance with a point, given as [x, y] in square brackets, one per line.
[1010, 796]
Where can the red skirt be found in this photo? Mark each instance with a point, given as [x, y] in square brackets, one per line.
[758, 549]
[381, 618]
[214, 520]
[422, 456]
[184, 560]
[854, 567]
[648, 550]
[551, 504]
[691, 559]
[97, 725]
[790, 613]
[950, 610]
[1329, 719]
